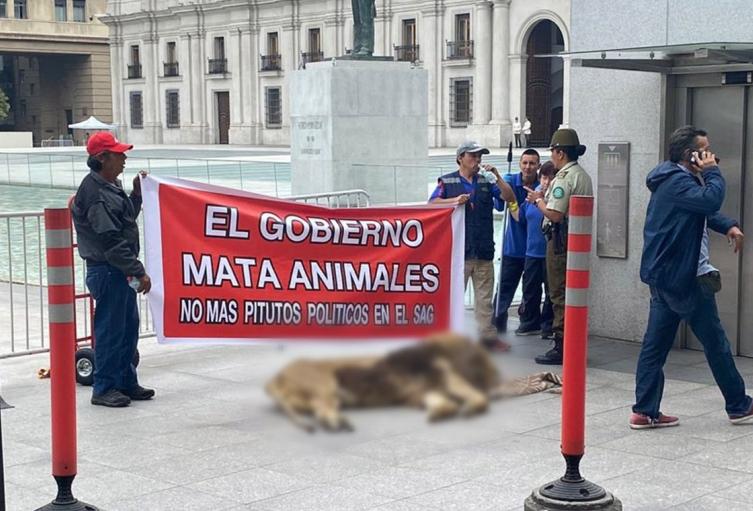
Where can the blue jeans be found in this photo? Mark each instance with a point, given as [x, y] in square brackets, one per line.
[700, 312]
[116, 329]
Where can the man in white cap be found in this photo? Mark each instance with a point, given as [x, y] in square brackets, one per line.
[476, 186]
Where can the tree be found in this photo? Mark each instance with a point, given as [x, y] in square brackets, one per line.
[4, 105]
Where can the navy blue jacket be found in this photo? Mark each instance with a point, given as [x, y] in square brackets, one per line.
[479, 223]
[675, 218]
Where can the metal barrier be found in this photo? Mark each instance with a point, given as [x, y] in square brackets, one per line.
[343, 199]
[23, 273]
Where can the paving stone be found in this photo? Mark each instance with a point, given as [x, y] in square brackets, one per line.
[111, 486]
[712, 426]
[403, 505]
[658, 443]
[712, 503]
[18, 453]
[731, 455]
[669, 483]
[185, 499]
[195, 466]
[330, 467]
[330, 497]
[400, 482]
[463, 497]
[517, 480]
[19, 498]
[397, 449]
[250, 485]
[741, 491]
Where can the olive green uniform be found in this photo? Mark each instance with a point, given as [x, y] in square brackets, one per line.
[570, 180]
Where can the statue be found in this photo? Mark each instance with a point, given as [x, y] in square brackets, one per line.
[364, 12]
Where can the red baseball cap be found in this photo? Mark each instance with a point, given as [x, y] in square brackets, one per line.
[105, 141]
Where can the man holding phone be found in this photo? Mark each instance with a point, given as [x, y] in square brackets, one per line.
[687, 192]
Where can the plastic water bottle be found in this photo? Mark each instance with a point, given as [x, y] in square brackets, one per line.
[134, 283]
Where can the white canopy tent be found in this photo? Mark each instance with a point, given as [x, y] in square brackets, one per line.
[92, 123]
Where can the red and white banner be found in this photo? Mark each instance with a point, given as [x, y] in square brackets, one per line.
[231, 266]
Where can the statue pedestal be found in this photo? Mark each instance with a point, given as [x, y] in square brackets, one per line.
[360, 124]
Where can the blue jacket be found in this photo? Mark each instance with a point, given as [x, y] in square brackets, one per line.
[679, 207]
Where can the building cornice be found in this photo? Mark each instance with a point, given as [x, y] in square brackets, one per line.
[76, 39]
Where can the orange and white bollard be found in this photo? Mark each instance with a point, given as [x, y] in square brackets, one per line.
[61, 303]
[572, 491]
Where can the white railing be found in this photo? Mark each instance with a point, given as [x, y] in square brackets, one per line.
[23, 272]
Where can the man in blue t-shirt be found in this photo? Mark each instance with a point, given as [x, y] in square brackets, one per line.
[533, 317]
[515, 242]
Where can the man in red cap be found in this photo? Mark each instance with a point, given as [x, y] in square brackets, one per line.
[108, 240]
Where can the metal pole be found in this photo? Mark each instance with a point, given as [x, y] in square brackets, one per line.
[3, 406]
[573, 491]
[61, 297]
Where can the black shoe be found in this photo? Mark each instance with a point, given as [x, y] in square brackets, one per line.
[139, 393]
[547, 334]
[112, 398]
[553, 356]
[527, 331]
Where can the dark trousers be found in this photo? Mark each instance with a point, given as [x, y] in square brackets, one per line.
[699, 310]
[116, 329]
[517, 140]
[510, 271]
[532, 315]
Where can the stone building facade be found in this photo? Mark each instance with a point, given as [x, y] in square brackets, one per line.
[214, 71]
[54, 66]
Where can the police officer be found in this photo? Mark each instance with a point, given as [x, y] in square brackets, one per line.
[476, 186]
[570, 180]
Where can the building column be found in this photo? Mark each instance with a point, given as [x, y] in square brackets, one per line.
[330, 38]
[517, 64]
[116, 72]
[151, 101]
[501, 71]
[566, 91]
[248, 42]
[288, 50]
[482, 87]
[236, 60]
[198, 102]
[432, 58]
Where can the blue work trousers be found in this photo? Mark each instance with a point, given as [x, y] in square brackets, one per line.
[116, 329]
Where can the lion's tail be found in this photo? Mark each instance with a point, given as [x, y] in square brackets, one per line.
[531, 384]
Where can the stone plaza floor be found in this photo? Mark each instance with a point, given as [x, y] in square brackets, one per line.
[211, 439]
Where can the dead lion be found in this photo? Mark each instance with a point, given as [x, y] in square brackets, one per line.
[447, 374]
